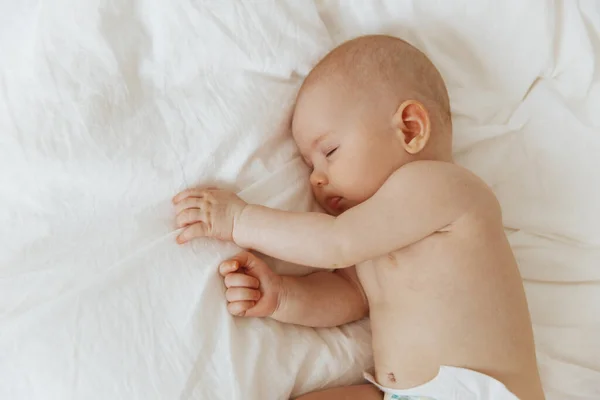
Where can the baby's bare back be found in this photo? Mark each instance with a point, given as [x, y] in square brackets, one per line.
[454, 298]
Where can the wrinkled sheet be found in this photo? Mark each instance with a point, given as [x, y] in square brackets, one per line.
[108, 108]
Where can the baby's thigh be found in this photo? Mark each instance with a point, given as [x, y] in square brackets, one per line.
[358, 392]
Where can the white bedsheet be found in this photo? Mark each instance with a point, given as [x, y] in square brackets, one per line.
[108, 108]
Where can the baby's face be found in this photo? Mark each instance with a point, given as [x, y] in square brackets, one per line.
[348, 143]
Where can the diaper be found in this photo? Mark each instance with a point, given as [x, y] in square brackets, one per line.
[451, 383]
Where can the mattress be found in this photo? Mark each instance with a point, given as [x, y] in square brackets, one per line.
[107, 109]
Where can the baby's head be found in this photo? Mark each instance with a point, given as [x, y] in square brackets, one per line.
[370, 106]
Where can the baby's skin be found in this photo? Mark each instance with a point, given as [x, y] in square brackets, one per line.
[416, 242]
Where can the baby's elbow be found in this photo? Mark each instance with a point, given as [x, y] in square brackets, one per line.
[327, 246]
[332, 257]
[341, 256]
[340, 251]
[332, 261]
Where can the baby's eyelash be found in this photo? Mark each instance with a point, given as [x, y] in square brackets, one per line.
[331, 152]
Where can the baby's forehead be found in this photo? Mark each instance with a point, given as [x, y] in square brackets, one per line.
[304, 135]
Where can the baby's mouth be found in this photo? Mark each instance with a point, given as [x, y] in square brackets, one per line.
[334, 202]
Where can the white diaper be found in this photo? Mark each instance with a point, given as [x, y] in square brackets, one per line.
[451, 383]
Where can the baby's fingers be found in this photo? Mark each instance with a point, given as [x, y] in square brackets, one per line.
[193, 192]
[196, 230]
[191, 216]
[190, 202]
[242, 294]
[239, 308]
[228, 266]
[241, 280]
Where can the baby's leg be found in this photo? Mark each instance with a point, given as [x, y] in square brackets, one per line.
[359, 392]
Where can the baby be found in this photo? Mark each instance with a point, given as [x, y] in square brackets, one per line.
[416, 242]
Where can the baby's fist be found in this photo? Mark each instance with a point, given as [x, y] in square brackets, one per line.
[252, 287]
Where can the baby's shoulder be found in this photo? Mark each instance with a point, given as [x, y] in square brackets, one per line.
[453, 183]
[434, 175]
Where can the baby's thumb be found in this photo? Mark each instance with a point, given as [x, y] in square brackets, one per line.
[229, 266]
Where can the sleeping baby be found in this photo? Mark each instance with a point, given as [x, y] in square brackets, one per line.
[415, 241]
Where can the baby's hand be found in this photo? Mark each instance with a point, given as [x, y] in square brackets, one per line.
[252, 287]
[207, 213]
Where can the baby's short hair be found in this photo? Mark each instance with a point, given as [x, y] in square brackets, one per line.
[384, 65]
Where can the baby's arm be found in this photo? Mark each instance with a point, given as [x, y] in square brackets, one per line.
[417, 200]
[321, 299]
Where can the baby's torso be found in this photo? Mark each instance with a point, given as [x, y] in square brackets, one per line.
[445, 298]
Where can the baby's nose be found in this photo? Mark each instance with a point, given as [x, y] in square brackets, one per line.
[318, 179]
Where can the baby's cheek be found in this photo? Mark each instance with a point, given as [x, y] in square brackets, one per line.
[355, 183]
[362, 189]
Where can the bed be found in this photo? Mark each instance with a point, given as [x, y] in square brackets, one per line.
[109, 108]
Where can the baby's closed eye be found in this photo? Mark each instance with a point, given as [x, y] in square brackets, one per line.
[329, 153]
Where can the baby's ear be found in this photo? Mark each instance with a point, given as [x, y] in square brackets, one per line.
[412, 124]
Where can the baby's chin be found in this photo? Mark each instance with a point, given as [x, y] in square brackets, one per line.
[335, 213]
